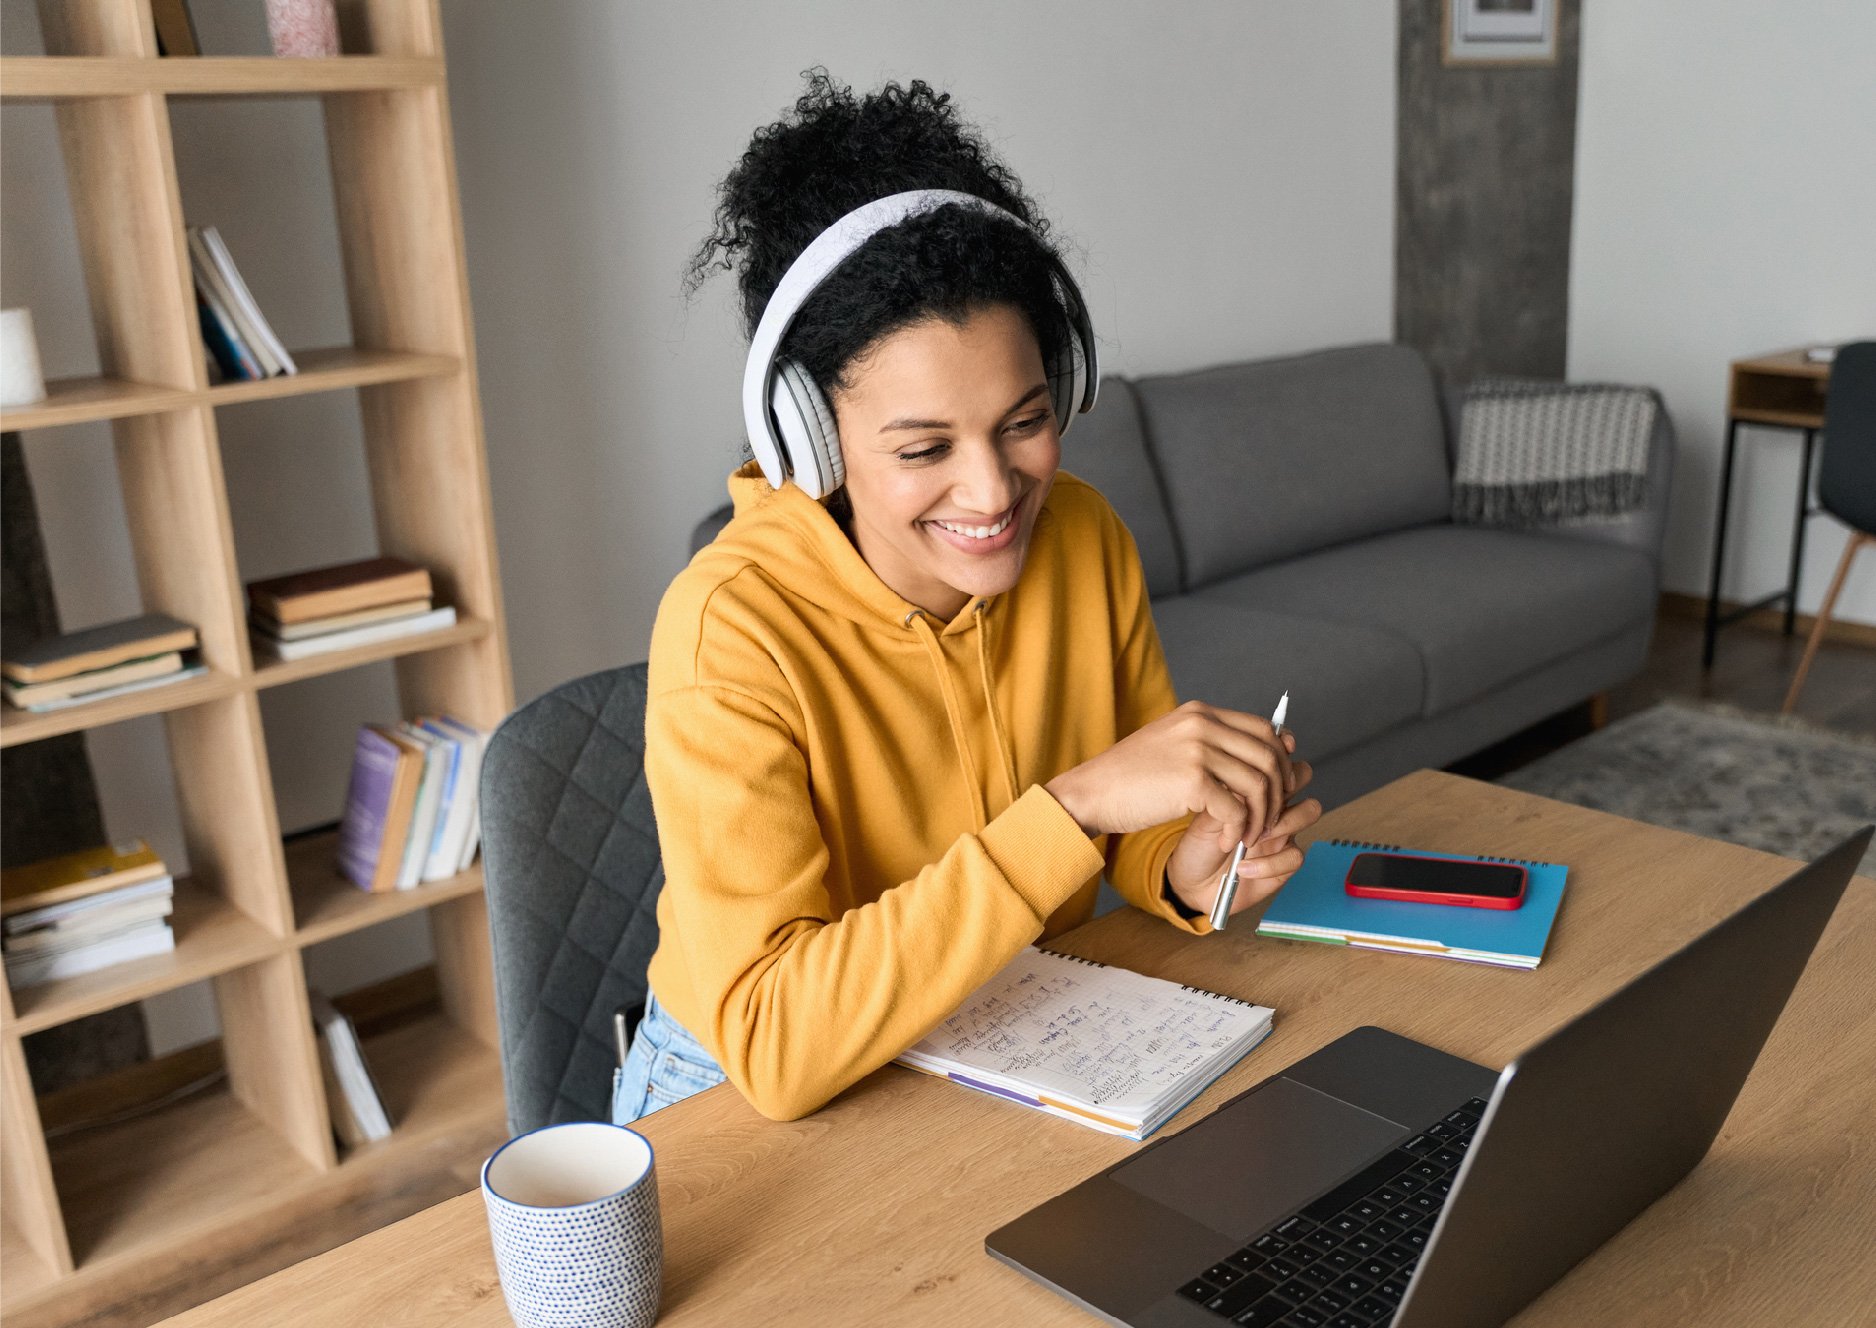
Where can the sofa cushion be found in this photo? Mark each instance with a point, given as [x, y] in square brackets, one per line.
[1347, 682]
[1483, 606]
[1107, 448]
[1276, 458]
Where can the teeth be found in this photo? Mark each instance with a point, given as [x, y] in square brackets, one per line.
[977, 532]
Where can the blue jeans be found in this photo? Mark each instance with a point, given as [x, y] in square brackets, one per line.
[665, 1064]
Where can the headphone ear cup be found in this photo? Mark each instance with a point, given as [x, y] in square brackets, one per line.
[1062, 385]
[807, 425]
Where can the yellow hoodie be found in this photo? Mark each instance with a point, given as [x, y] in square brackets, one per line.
[849, 793]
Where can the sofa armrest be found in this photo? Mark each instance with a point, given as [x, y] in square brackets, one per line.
[710, 527]
[1645, 529]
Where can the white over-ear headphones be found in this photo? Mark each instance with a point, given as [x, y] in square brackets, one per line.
[791, 424]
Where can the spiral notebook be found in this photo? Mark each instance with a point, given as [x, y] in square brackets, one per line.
[1313, 906]
[1100, 1046]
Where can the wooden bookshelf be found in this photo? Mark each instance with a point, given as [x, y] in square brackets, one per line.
[90, 1218]
[80, 400]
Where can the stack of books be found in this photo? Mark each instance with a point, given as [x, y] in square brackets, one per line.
[336, 608]
[85, 911]
[410, 810]
[240, 343]
[100, 662]
[352, 1097]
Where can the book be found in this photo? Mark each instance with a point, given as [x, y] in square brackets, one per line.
[24, 695]
[98, 647]
[433, 621]
[123, 689]
[92, 924]
[175, 29]
[224, 356]
[379, 800]
[138, 942]
[322, 592]
[338, 622]
[75, 876]
[220, 331]
[352, 1097]
[1100, 1046]
[437, 754]
[246, 308]
[455, 845]
[1313, 906]
[238, 317]
[44, 915]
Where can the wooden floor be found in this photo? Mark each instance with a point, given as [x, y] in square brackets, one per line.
[1752, 671]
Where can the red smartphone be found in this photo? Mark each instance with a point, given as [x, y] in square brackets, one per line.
[1420, 880]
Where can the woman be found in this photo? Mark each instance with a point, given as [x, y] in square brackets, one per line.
[898, 734]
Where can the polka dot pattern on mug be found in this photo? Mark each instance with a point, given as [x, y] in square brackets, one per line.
[596, 1265]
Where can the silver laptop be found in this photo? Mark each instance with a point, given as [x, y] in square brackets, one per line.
[1382, 1182]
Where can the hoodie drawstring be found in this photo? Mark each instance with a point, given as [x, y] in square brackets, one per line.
[954, 712]
[997, 733]
[935, 652]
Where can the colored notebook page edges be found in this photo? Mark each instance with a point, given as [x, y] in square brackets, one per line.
[1314, 906]
[1104, 1047]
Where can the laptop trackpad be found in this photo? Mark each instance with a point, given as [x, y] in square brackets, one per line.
[1260, 1159]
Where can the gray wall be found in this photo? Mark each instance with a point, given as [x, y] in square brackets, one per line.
[1223, 169]
[1725, 200]
[1483, 199]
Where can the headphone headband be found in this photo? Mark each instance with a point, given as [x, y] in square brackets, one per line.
[816, 263]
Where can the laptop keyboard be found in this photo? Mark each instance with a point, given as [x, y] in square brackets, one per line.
[1344, 1261]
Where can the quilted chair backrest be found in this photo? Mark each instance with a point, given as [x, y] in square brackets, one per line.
[572, 871]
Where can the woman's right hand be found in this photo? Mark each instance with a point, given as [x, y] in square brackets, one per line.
[1198, 759]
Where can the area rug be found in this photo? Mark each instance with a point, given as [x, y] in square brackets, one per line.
[1764, 781]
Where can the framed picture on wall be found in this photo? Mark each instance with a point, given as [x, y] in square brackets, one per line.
[1500, 32]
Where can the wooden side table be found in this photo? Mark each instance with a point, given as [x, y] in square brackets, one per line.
[1786, 391]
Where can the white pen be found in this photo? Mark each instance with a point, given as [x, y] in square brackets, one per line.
[1228, 883]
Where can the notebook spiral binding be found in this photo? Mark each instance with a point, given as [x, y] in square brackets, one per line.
[1077, 959]
[1218, 995]
[1396, 848]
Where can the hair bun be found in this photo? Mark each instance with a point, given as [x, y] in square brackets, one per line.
[834, 152]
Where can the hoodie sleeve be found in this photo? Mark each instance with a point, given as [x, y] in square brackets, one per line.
[1143, 691]
[796, 1003]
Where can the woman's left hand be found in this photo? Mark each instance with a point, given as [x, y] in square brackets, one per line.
[1200, 858]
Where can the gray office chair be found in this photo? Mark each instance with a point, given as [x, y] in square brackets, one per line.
[570, 859]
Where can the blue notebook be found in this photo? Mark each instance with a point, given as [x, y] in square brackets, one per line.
[1313, 906]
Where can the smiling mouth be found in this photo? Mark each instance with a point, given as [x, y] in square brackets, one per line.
[979, 532]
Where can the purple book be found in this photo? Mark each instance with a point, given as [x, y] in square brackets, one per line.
[367, 802]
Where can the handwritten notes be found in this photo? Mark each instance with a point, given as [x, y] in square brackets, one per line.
[1103, 1037]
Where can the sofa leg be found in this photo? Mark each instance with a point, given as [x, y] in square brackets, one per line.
[1598, 711]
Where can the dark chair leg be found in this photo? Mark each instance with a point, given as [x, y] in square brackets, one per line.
[1719, 546]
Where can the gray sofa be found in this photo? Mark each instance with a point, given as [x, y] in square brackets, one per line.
[1292, 517]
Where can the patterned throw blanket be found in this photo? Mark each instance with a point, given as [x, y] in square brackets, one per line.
[1536, 453]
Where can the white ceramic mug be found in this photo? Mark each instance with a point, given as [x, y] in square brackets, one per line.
[573, 1215]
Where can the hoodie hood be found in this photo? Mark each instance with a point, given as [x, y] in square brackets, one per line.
[795, 540]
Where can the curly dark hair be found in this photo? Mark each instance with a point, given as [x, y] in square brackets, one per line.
[837, 151]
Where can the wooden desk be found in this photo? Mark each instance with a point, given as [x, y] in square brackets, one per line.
[1782, 390]
[875, 1208]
